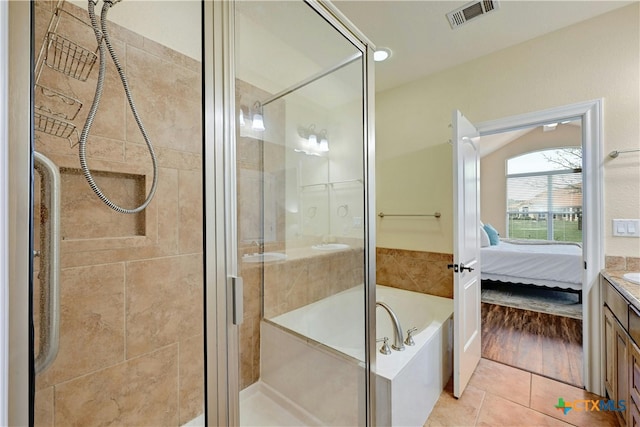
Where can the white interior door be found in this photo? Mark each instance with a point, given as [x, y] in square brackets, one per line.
[466, 251]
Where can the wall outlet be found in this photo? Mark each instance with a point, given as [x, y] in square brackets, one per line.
[626, 227]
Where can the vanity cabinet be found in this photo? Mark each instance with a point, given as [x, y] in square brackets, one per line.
[616, 361]
[634, 385]
[617, 351]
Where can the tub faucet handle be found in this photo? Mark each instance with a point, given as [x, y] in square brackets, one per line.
[409, 340]
[385, 345]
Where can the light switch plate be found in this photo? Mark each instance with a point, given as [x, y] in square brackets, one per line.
[626, 227]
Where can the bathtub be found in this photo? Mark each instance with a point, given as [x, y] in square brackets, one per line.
[314, 356]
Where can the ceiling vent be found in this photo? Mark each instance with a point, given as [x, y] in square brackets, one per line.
[471, 11]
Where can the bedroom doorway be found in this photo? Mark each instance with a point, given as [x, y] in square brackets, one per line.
[531, 192]
[588, 115]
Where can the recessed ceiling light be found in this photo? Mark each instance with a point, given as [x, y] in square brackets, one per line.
[381, 54]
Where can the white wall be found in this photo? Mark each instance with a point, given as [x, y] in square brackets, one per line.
[598, 58]
[157, 20]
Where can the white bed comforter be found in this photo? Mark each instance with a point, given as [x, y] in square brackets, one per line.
[557, 265]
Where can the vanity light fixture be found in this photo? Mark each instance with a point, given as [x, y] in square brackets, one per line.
[257, 122]
[308, 134]
[241, 118]
[323, 145]
[313, 142]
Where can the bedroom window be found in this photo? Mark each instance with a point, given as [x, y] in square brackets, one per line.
[544, 195]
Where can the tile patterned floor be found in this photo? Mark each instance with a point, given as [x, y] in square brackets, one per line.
[500, 395]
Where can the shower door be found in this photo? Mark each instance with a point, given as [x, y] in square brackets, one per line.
[302, 238]
[119, 340]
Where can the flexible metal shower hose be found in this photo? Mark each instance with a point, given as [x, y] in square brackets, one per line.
[103, 36]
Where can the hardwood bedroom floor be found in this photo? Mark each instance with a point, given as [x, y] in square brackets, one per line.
[541, 343]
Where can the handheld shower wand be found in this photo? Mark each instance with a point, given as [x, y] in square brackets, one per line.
[102, 37]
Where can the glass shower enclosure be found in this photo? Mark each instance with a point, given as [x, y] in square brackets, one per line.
[303, 214]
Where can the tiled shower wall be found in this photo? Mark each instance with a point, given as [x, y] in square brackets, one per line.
[131, 335]
[417, 271]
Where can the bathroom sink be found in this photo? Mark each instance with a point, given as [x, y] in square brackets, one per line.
[633, 278]
[264, 257]
[330, 247]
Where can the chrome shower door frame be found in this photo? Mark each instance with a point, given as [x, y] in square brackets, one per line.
[20, 166]
[222, 340]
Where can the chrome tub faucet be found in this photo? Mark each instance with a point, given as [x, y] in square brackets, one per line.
[398, 337]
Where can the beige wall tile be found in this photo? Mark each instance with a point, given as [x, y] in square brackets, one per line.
[125, 35]
[424, 272]
[110, 119]
[164, 302]
[190, 211]
[169, 102]
[141, 391]
[166, 157]
[91, 322]
[104, 148]
[167, 200]
[43, 408]
[633, 263]
[249, 351]
[615, 262]
[252, 278]
[191, 356]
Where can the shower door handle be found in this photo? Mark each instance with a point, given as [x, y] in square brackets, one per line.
[49, 255]
[237, 295]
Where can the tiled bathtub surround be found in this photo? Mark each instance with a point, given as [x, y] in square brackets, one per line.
[131, 336]
[305, 277]
[417, 271]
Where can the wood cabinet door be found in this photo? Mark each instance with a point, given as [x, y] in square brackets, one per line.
[622, 367]
[633, 403]
[609, 354]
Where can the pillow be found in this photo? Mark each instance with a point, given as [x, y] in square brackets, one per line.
[494, 237]
[484, 238]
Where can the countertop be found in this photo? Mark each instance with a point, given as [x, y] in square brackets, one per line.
[628, 289]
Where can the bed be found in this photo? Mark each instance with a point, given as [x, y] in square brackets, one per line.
[535, 263]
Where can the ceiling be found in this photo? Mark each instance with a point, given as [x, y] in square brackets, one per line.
[423, 43]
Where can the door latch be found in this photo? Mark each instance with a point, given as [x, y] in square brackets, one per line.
[459, 268]
[463, 268]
